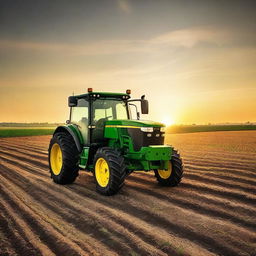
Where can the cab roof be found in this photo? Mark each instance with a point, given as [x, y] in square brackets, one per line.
[103, 95]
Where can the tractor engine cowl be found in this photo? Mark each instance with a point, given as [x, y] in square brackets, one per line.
[146, 136]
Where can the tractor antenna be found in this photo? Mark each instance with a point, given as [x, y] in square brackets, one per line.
[73, 93]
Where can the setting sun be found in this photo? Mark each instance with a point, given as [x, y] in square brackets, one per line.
[168, 120]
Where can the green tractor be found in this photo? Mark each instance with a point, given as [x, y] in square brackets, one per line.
[101, 137]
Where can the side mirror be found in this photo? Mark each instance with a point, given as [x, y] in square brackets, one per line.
[144, 106]
[72, 101]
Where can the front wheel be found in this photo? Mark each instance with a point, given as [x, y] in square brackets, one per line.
[173, 175]
[109, 171]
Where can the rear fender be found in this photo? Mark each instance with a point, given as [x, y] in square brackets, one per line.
[74, 132]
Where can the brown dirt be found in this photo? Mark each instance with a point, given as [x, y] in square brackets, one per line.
[212, 212]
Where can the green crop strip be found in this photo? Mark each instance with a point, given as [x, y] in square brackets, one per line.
[24, 132]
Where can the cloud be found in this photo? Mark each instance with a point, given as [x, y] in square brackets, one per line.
[187, 38]
[193, 36]
[124, 6]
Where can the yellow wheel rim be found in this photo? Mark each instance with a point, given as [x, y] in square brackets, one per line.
[165, 174]
[56, 159]
[102, 172]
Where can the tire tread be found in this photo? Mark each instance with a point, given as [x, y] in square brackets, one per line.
[177, 171]
[117, 170]
[70, 165]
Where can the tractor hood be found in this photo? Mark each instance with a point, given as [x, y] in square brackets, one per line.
[134, 123]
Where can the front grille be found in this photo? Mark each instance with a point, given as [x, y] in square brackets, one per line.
[141, 139]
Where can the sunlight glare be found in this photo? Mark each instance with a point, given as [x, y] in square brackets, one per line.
[167, 120]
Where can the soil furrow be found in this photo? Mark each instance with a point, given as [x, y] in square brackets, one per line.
[28, 187]
[219, 169]
[194, 152]
[197, 206]
[179, 230]
[23, 157]
[221, 192]
[223, 164]
[44, 231]
[31, 241]
[189, 194]
[220, 182]
[12, 232]
[27, 152]
[209, 226]
[92, 201]
[237, 162]
[39, 149]
[225, 177]
[29, 167]
[29, 142]
[217, 191]
[91, 225]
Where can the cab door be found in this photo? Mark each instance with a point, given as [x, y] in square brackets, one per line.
[79, 116]
[102, 111]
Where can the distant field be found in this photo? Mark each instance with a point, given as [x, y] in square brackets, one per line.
[21, 131]
[32, 131]
[208, 128]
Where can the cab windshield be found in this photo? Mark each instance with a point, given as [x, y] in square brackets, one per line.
[109, 109]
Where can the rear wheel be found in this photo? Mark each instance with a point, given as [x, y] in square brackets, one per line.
[63, 158]
[109, 171]
[173, 175]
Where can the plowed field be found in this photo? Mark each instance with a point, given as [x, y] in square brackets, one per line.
[212, 212]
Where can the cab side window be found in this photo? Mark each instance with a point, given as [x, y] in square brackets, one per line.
[79, 116]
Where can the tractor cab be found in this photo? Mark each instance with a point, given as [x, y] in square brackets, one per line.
[101, 137]
[90, 112]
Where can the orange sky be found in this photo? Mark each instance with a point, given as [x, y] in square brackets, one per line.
[196, 63]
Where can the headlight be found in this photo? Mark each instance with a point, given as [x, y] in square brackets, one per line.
[162, 129]
[147, 129]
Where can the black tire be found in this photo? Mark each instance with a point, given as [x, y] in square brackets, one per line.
[70, 158]
[177, 172]
[117, 170]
